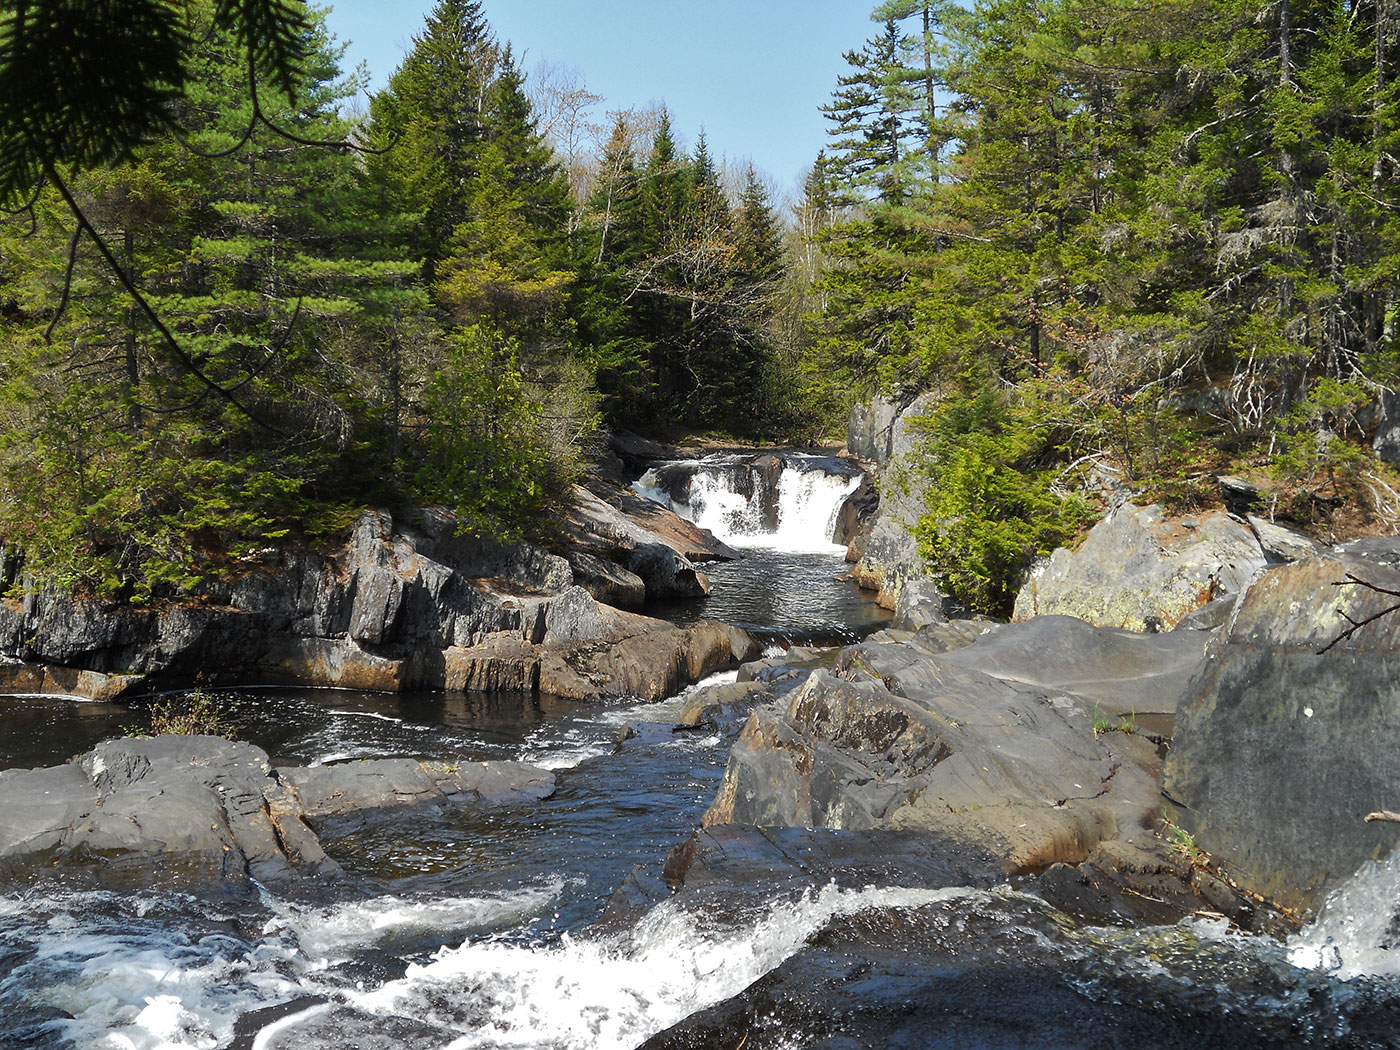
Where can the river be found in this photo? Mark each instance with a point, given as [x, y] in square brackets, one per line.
[480, 929]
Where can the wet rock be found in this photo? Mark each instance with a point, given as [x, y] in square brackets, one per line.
[857, 516]
[183, 811]
[993, 973]
[712, 703]
[1138, 569]
[205, 814]
[1282, 750]
[362, 791]
[625, 655]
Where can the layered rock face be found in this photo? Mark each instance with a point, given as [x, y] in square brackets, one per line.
[206, 814]
[1281, 750]
[405, 604]
[989, 748]
[888, 553]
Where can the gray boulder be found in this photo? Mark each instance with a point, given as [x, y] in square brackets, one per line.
[898, 738]
[1282, 749]
[1117, 672]
[1282, 544]
[1138, 569]
[183, 811]
[870, 431]
[1387, 440]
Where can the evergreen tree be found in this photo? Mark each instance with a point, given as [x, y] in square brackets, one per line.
[432, 113]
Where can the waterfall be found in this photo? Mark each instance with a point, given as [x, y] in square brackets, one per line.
[789, 503]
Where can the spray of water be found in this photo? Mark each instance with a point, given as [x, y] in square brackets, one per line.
[613, 992]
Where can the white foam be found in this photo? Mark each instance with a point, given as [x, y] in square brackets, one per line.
[612, 993]
[808, 504]
[1357, 930]
[328, 934]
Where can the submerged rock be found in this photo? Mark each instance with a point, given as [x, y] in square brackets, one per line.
[1282, 750]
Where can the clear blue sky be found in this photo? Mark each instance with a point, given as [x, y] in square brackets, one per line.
[752, 73]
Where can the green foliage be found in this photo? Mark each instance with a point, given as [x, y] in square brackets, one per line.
[1126, 724]
[480, 451]
[1312, 434]
[987, 470]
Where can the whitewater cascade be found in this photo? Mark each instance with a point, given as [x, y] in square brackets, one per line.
[790, 503]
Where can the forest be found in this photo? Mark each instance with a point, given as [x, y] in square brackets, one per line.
[1157, 240]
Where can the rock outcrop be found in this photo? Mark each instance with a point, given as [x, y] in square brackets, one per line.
[405, 604]
[203, 813]
[1019, 762]
[1281, 749]
[888, 553]
[1140, 570]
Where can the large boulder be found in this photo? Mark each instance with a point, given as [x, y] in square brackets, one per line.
[648, 542]
[1290, 731]
[1120, 673]
[593, 652]
[1141, 570]
[870, 431]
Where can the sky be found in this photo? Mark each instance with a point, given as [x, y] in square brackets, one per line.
[751, 73]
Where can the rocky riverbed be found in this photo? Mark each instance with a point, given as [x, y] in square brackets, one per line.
[931, 835]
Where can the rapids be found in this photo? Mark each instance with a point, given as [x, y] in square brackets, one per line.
[481, 929]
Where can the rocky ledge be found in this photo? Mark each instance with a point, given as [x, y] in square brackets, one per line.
[1028, 747]
[204, 814]
[406, 603]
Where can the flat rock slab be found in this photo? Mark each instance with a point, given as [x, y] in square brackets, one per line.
[203, 813]
[365, 788]
[1119, 671]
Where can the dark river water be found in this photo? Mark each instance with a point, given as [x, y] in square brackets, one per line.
[476, 930]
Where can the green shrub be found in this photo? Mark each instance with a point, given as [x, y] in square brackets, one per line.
[989, 467]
